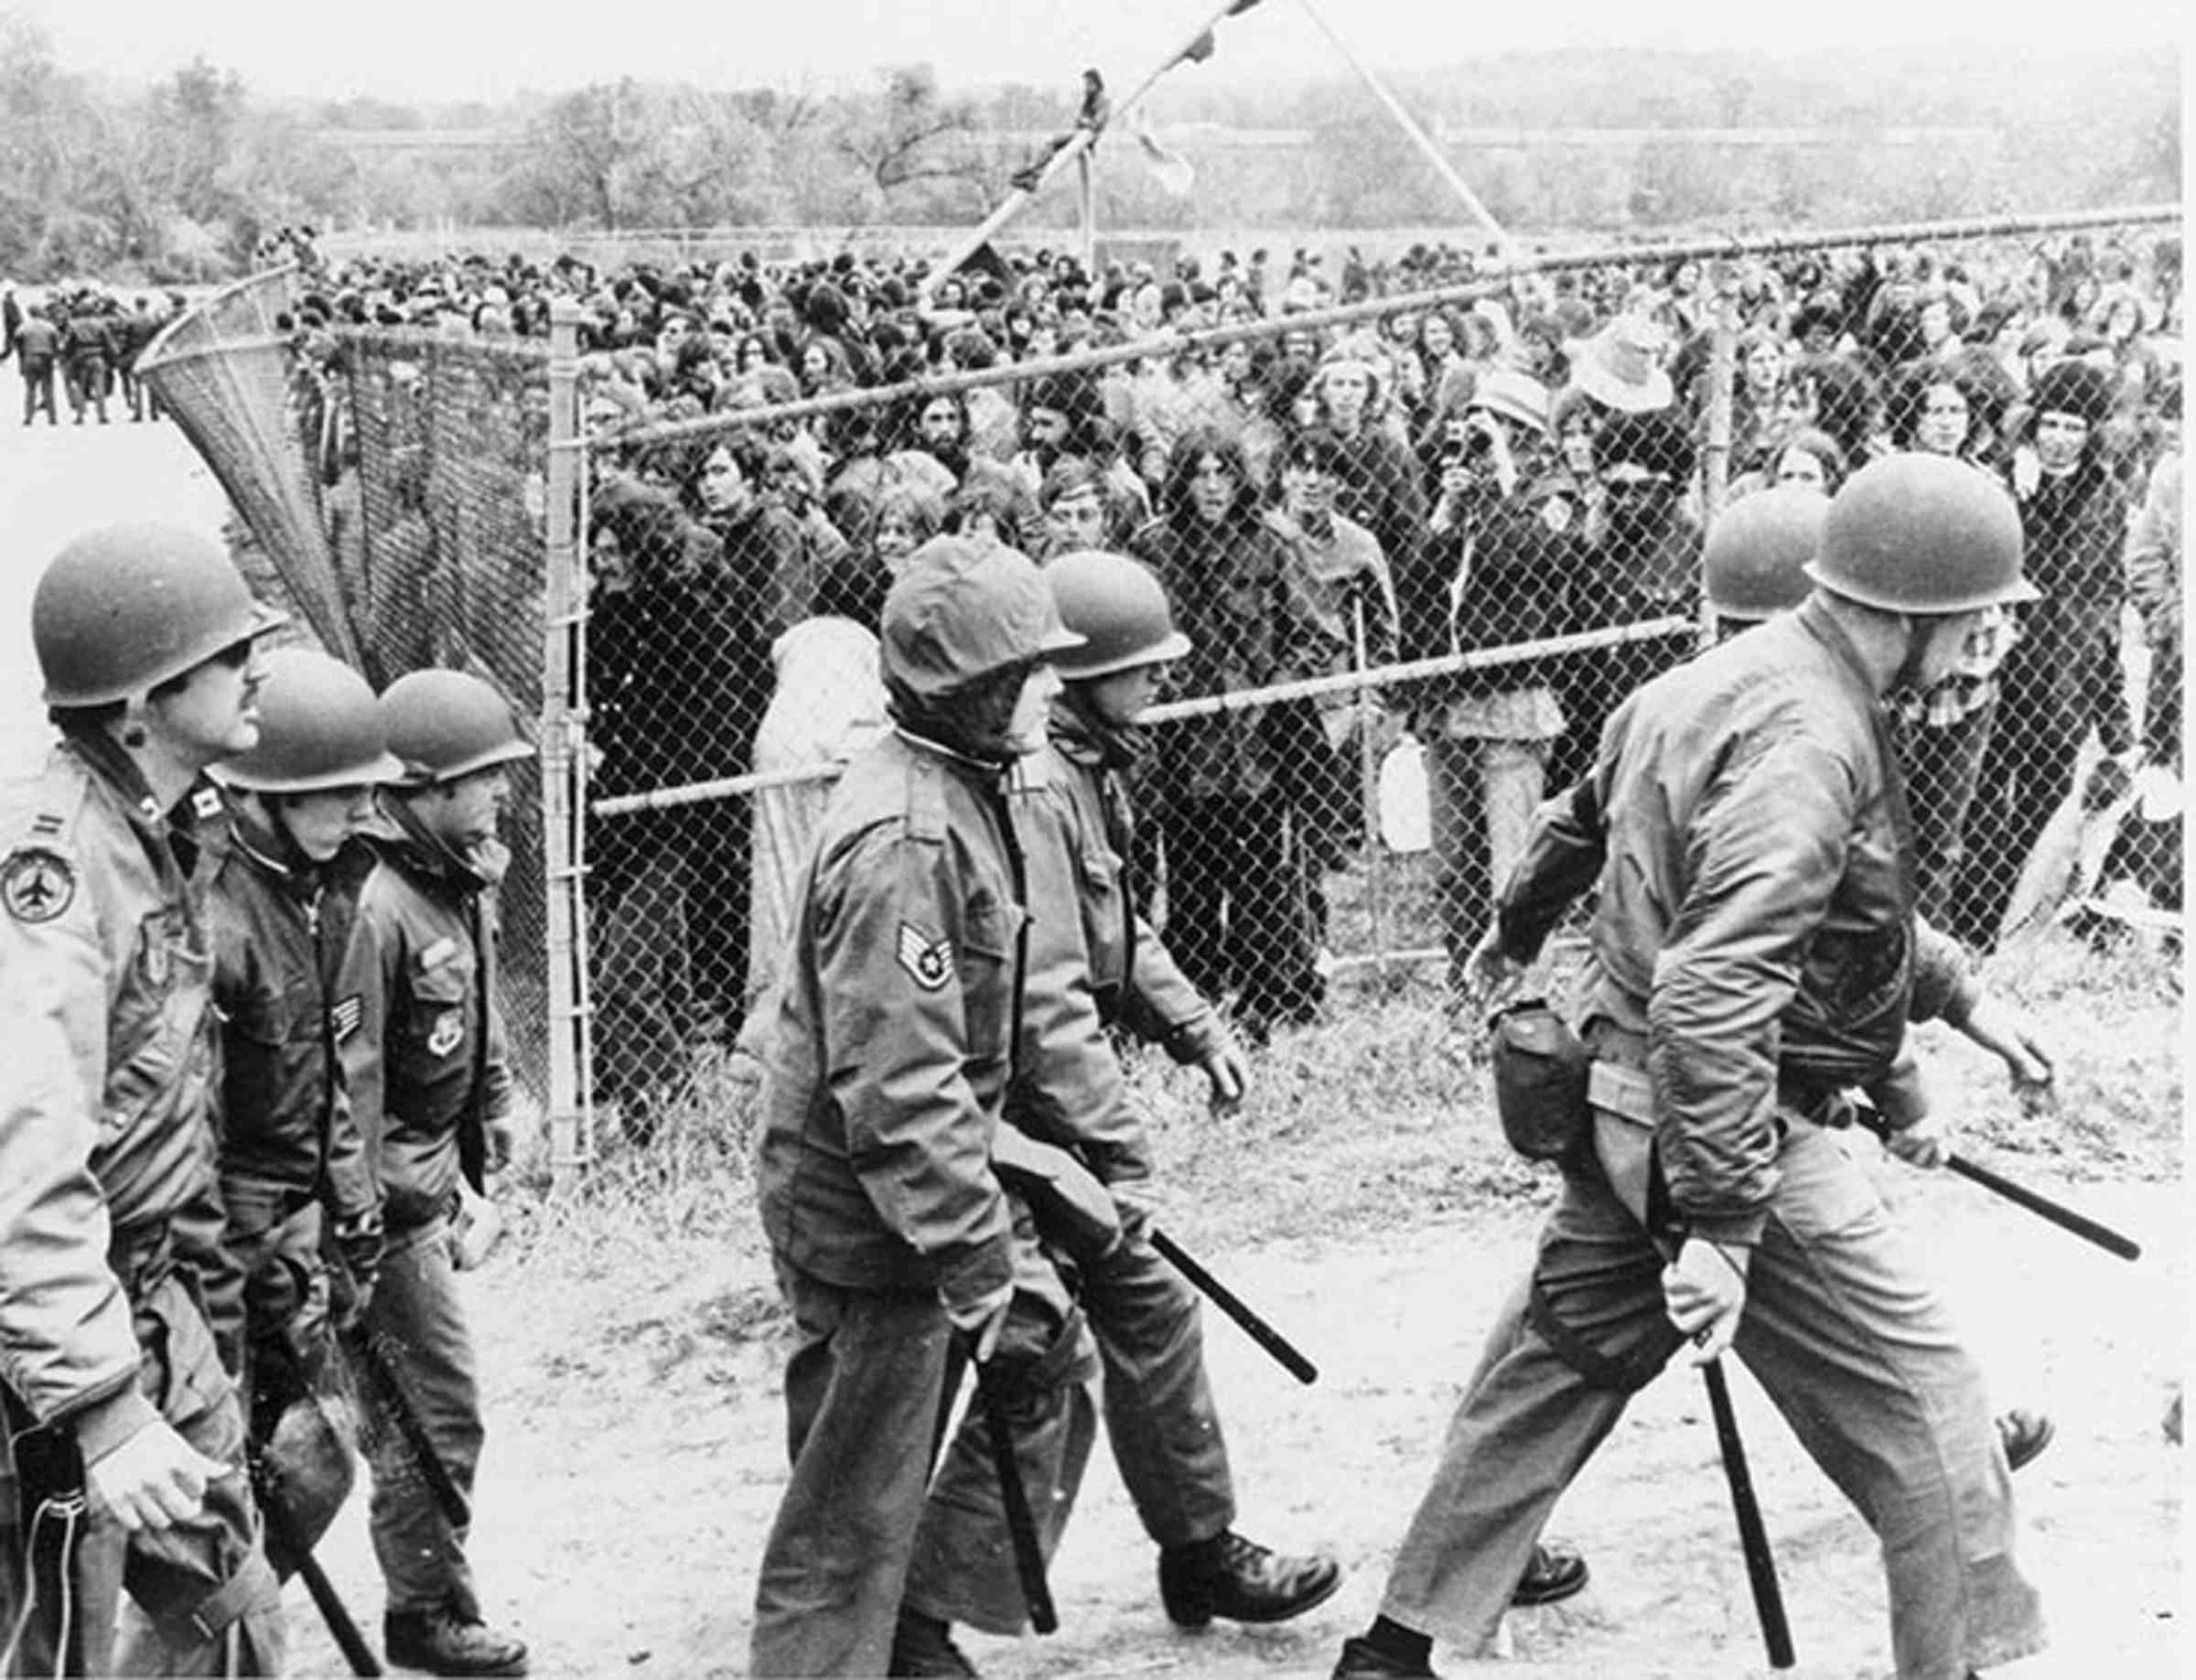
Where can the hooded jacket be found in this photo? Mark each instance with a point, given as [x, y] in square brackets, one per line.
[427, 1067]
[890, 1041]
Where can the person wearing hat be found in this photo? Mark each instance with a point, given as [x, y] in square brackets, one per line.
[1755, 961]
[125, 1465]
[1505, 538]
[430, 1085]
[2060, 678]
[294, 1170]
[886, 1053]
[1620, 367]
[1642, 562]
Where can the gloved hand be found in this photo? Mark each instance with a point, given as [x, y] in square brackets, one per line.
[1925, 1144]
[980, 1321]
[1065, 1198]
[1138, 1203]
[1703, 1292]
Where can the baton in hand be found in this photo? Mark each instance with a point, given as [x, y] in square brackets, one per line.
[1222, 1296]
[2064, 1217]
[325, 1600]
[1753, 1536]
[1021, 1526]
[366, 1348]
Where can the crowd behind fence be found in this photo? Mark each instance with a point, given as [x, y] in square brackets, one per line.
[1426, 528]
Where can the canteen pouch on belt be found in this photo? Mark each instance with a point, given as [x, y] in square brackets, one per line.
[1540, 1073]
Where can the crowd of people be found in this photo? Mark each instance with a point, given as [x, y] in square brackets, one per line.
[1317, 496]
[248, 913]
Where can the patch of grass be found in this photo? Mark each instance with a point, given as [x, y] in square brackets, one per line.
[1380, 1118]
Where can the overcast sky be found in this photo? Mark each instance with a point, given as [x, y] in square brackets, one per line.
[452, 49]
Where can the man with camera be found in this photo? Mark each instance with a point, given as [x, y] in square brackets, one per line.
[1501, 551]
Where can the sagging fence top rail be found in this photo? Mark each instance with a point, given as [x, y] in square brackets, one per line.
[1486, 283]
[1206, 705]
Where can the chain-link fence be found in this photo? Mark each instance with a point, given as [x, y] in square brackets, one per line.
[392, 488]
[1423, 547]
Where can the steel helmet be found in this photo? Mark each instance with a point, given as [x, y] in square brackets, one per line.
[1922, 533]
[319, 728]
[445, 724]
[960, 611]
[1751, 565]
[125, 608]
[1117, 608]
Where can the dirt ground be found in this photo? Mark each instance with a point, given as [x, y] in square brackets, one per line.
[636, 1453]
[635, 1458]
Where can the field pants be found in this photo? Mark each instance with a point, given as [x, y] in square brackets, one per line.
[212, 1603]
[417, 1318]
[1044, 1378]
[1859, 1357]
[1160, 1415]
[1480, 793]
[862, 1395]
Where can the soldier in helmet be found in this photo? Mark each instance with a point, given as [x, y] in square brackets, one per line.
[294, 1168]
[126, 1444]
[1755, 956]
[1753, 566]
[1077, 1166]
[431, 1090]
[886, 1053]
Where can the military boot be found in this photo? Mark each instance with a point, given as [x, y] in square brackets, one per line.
[922, 1649]
[1229, 1575]
[1553, 1573]
[443, 1642]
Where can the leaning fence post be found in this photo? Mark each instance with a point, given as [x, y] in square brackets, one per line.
[565, 756]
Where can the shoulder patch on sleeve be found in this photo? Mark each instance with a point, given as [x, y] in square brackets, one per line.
[343, 1019]
[37, 883]
[928, 962]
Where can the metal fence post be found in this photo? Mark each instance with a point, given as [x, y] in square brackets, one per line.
[1368, 795]
[1715, 460]
[565, 756]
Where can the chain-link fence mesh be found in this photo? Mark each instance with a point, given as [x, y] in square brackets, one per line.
[1422, 550]
[392, 486]
[1424, 545]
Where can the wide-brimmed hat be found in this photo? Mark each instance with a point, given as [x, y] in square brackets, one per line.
[1616, 367]
[1513, 395]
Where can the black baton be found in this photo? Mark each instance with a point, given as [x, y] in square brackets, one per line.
[1021, 1527]
[2021, 1195]
[1222, 1296]
[1753, 1537]
[365, 1346]
[325, 1600]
